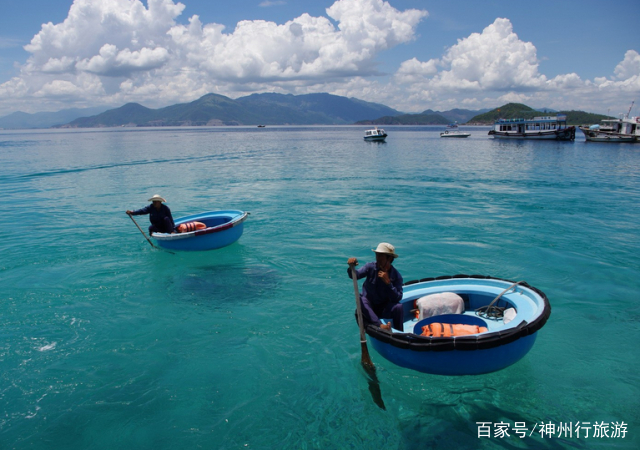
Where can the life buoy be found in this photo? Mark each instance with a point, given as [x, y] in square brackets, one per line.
[450, 329]
[191, 226]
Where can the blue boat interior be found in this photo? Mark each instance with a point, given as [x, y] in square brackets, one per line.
[472, 302]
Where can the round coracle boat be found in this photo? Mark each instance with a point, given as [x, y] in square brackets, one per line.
[206, 231]
[463, 325]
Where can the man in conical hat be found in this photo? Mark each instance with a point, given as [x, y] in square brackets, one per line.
[159, 215]
[382, 289]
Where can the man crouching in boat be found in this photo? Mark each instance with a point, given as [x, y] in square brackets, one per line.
[159, 215]
[382, 289]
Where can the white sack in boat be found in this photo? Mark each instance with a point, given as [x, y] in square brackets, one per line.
[442, 303]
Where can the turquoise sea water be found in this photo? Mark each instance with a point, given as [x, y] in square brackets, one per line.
[107, 343]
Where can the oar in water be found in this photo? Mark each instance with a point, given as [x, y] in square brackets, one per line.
[143, 233]
[367, 364]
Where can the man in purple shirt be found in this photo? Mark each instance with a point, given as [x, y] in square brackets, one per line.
[382, 289]
[159, 215]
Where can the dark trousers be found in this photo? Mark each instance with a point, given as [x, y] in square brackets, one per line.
[166, 226]
[373, 313]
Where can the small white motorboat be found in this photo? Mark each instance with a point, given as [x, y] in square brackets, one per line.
[377, 134]
[454, 134]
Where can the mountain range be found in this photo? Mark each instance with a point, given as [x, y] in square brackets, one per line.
[270, 109]
[255, 109]
[21, 120]
[264, 109]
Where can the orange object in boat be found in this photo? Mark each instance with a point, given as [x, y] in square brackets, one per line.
[191, 226]
[451, 329]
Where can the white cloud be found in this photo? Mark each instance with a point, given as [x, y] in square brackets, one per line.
[495, 66]
[111, 62]
[85, 85]
[513, 97]
[63, 64]
[373, 24]
[413, 71]
[93, 23]
[14, 88]
[494, 60]
[304, 48]
[119, 51]
[629, 67]
[563, 82]
[149, 52]
[268, 3]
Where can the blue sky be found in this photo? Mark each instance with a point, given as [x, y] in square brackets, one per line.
[411, 55]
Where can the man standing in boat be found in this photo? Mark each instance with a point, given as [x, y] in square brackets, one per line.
[382, 289]
[159, 215]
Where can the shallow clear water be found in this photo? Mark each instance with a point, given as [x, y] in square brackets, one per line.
[108, 343]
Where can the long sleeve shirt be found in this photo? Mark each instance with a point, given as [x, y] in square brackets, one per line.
[156, 216]
[376, 291]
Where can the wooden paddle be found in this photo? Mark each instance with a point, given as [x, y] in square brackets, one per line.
[367, 364]
[366, 359]
[145, 236]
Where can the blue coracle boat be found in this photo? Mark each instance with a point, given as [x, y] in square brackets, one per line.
[517, 311]
[222, 228]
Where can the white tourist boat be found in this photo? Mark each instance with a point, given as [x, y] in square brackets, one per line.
[547, 127]
[454, 134]
[377, 134]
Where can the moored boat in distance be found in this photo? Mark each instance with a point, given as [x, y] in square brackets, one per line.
[221, 228]
[454, 134]
[546, 127]
[613, 130]
[377, 134]
[464, 325]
